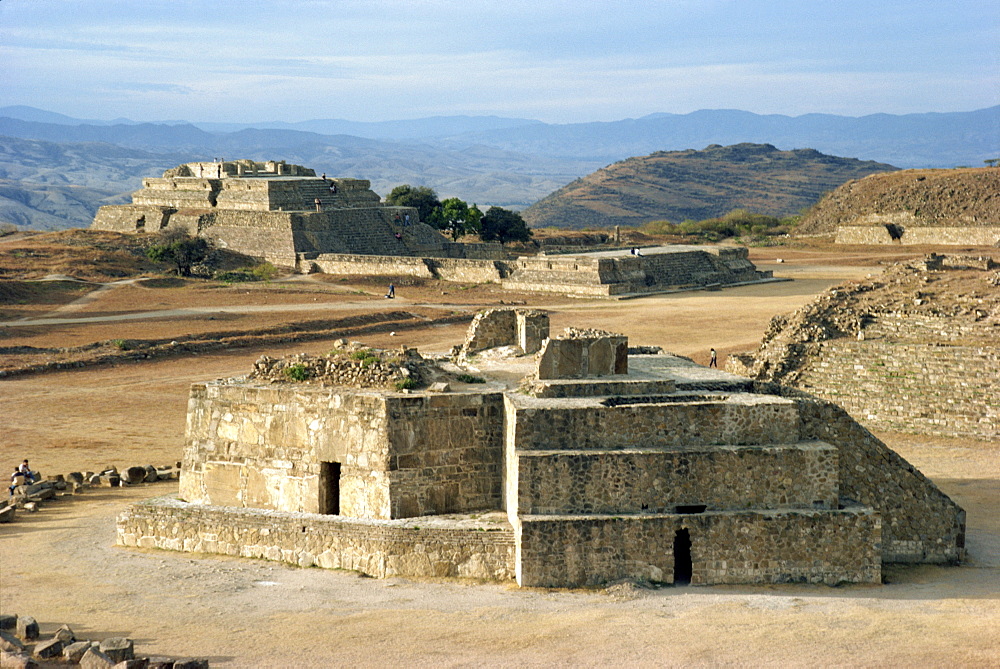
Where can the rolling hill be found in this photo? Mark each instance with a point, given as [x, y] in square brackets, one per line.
[681, 185]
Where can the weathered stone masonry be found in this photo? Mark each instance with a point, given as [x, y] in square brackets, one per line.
[715, 486]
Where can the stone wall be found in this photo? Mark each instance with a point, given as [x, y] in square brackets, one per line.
[658, 481]
[920, 523]
[446, 269]
[578, 356]
[949, 235]
[946, 390]
[587, 423]
[726, 547]
[398, 456]
[491, 328]
[379, 549]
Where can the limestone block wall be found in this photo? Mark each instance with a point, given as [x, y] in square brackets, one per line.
[581, 424]
[381, 550]
[446, 453]
[920, 523]
[579, 357]
[726, 547]
[491, 328]
[131, 218]
[947, 390]
[178, 193]
[262, 234]
[262, 446]
[950, 235]
[447, 269]
[398, 455]
[657, 481]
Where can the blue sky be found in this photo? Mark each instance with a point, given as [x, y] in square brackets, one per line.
[561, 62]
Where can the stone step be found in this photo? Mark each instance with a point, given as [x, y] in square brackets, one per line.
[662, 480]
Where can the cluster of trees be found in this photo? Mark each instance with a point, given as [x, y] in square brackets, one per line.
[457, 218]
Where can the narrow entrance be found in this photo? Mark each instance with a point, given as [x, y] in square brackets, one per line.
[329, 488]
[682, 557]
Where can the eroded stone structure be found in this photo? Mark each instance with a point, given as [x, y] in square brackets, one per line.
[654, 469]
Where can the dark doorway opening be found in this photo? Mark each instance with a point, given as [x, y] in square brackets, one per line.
[140, 224]
[329, 488]
[682, 558]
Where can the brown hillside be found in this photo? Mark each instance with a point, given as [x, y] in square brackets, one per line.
[929, 198]
[682, 185]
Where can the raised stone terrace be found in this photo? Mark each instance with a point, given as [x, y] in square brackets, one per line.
[629, 466]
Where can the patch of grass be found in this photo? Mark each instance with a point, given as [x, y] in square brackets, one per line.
[298, 372]
[365, 356]
[264, 271]
[122, 344]
[469, 378]
[406, 384]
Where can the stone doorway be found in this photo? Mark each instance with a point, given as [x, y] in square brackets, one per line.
[682, 557]
[329, 488]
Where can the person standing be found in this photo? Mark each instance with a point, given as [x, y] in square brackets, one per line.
[392, 292]
[714, 360]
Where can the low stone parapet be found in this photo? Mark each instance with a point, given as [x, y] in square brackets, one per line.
[429, 546]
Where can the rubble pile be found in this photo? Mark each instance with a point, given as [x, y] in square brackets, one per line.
[349, 364]
[21, 645]
[959, 288]
[29, 497]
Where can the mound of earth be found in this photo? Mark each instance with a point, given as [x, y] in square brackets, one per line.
[924, 198]
[91, 255]
[966, 295]
[694, 185]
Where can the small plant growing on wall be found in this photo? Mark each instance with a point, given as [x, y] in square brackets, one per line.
[298, 372]
[406, 384]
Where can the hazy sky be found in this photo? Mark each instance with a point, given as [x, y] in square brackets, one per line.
[557, 61]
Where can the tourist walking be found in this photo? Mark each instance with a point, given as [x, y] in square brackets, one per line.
[713, 361]
[392, 292]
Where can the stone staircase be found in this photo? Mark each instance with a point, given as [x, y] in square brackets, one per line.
[602, 489]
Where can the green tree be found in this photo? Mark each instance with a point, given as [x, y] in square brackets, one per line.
[456, 218]
[423, 198]
[503, 225]
[178, 248]
[992, 162]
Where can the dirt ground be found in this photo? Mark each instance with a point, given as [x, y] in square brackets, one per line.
[60, 565]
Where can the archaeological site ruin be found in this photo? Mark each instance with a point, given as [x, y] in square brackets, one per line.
[547, 460]
[287, 215]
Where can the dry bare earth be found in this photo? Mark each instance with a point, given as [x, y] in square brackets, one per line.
[60, 564]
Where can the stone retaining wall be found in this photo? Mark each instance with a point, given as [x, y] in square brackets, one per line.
[920, 523]
[657, 481]
[945, 390]
[951, 235]
[381, 550]
[446, 269]
[726, 547]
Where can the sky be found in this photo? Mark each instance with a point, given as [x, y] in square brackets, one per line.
[555, 61]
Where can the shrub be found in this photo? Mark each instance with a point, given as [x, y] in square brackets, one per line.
[365, 356]
[298, 372]
[469, 378]
[122, 344]
[406, 384]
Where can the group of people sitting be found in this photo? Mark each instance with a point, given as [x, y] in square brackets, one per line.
[23, 476]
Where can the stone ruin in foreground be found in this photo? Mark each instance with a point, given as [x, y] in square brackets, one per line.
[287, 215]
[550, 461]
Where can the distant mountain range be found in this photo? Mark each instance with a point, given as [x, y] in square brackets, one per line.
[489, 160]
[694, 185]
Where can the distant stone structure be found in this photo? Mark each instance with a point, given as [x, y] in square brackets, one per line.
[908, 207]
[278, 212]
[287, 215]
[578, 465]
